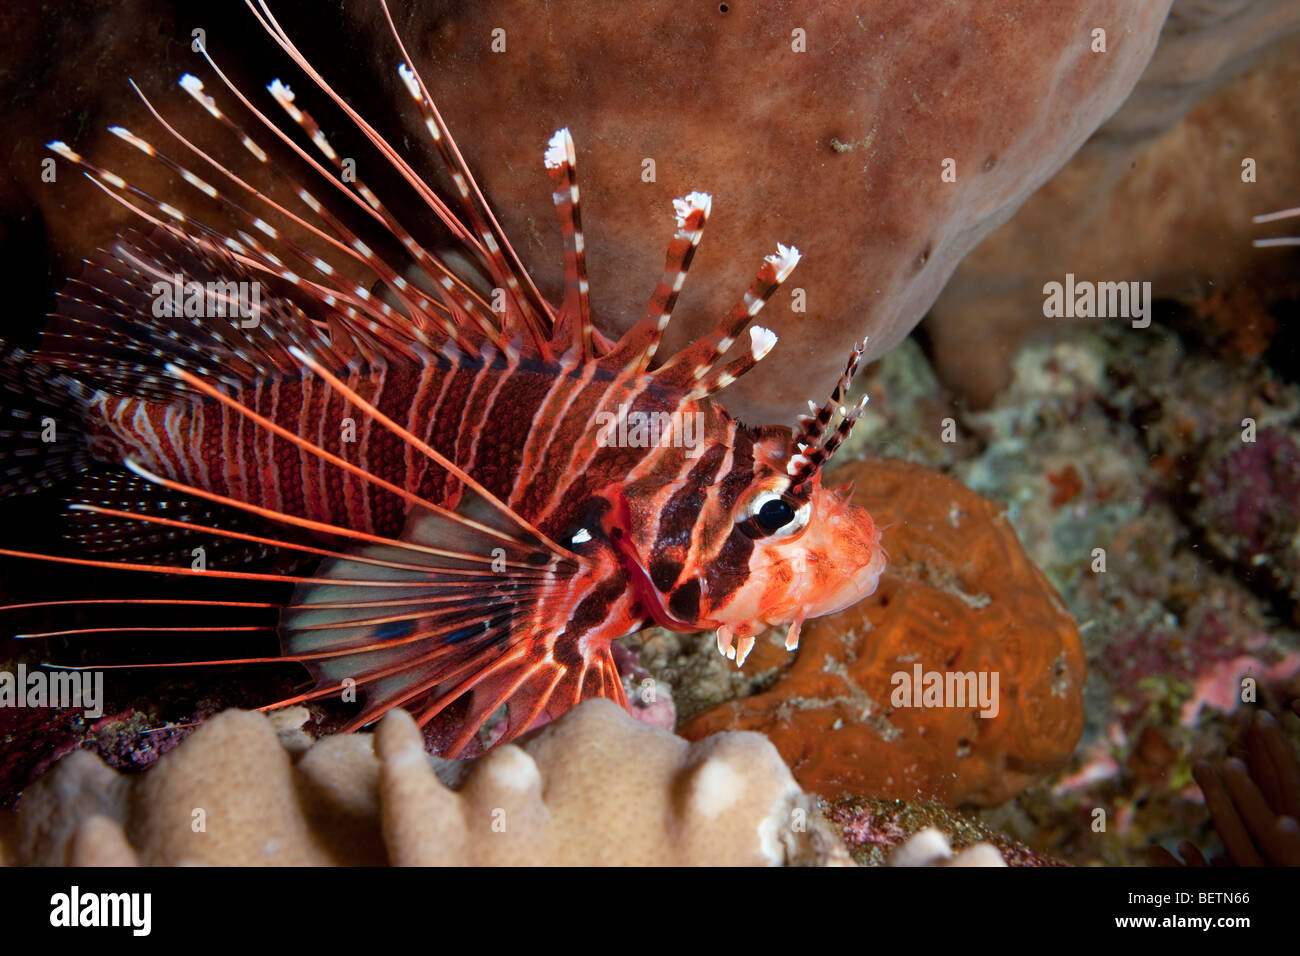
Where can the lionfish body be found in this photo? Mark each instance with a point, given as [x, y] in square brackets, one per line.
[492, 493]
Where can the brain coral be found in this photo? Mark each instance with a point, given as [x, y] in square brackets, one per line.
[959, 594]
[596, 787]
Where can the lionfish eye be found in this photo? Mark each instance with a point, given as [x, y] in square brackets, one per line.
[775, 515]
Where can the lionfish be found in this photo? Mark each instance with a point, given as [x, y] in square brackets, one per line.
[431, 441]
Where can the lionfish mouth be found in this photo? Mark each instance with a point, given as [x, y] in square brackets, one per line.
[237, 433]
[650, 598]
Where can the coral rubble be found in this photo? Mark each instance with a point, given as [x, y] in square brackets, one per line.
[1175, 608]
[875, 829]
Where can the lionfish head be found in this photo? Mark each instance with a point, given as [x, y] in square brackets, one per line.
[748, 537]
[812, 551]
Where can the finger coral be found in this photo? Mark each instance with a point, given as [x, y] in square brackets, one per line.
[593, 788]
[959, 596]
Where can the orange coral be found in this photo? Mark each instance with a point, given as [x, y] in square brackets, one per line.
[959, 594]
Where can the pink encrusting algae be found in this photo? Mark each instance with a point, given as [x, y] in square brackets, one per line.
[494, 490]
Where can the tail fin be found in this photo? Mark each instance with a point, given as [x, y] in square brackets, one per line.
[40, 421]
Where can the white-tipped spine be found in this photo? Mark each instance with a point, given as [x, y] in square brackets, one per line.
[783, 261]
[559, 150]
[761, 341]
[136, 141]
[412, 84]
[192, 85]
[284, 96]
[689, 203]
[62, 149]
[1276, 216]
